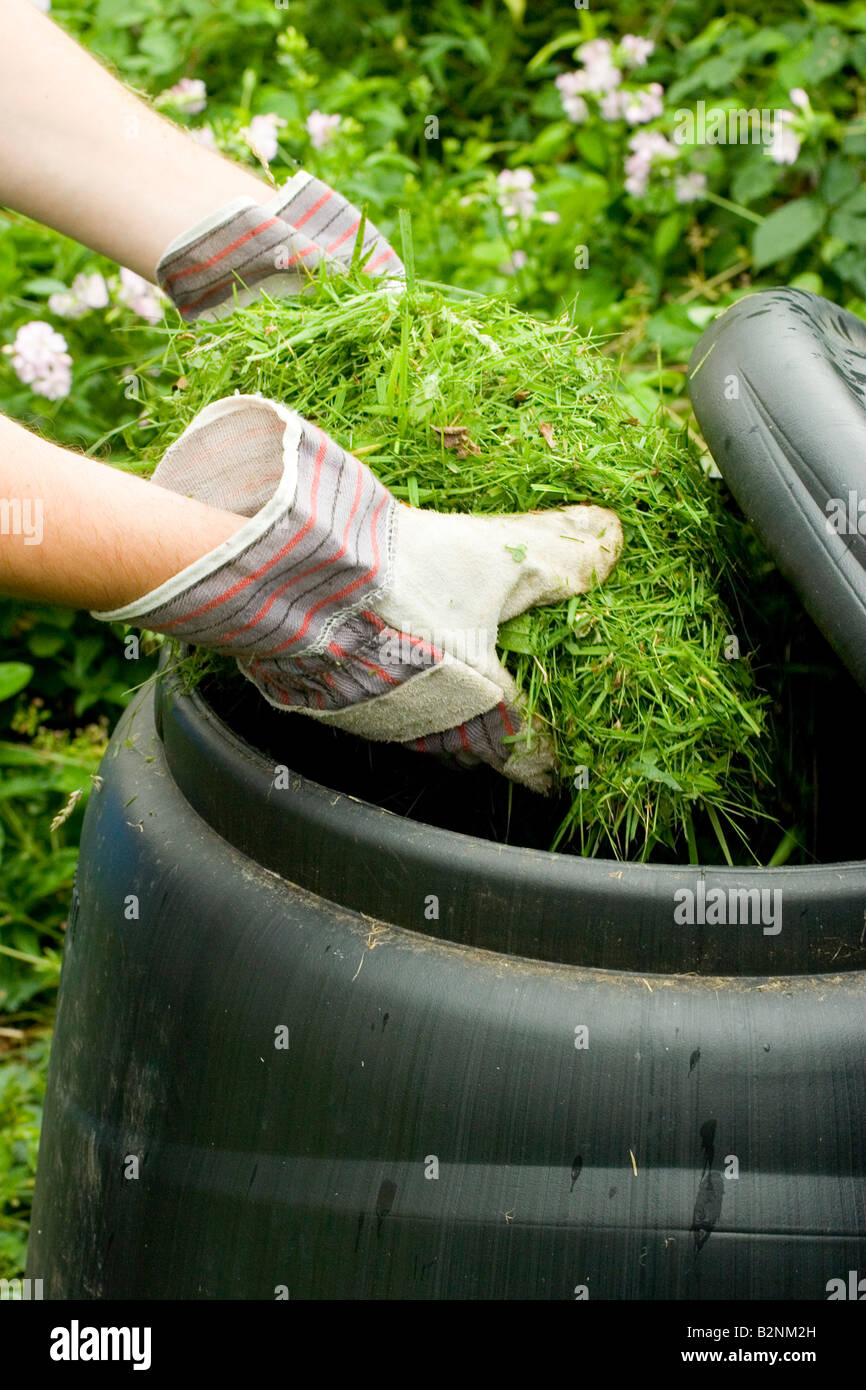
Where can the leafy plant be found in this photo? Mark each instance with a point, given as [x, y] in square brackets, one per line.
[22, 1091]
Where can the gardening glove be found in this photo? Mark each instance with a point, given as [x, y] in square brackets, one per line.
[275, 247]
[341, 603]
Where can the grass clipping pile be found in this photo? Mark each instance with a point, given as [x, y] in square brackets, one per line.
[473, 406]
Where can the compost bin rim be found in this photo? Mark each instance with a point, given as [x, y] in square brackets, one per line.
[601, 913]
[170, 681]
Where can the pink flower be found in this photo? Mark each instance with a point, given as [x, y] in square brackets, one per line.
[66, 305]
[516, 196]
[203, 135]
[570, 85]
[636, 50]
[649, 143]
[551, 217]
[600, 73]
[799, 98]
[575, 109]
[637, 176]
[785, 145]
[646, 146]
[140, 296]
[189, 95]
[642, 106]
[689, 187]
[261, 135]
[517, 262]
[596, 51]
[320, 127]
[40, 360]
[87, 292]
[612, 103]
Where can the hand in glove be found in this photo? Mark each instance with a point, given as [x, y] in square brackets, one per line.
[275, 246]
[341, 603]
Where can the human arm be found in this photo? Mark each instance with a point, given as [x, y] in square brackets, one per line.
[260, 538]
[81, 534]
[82, 154]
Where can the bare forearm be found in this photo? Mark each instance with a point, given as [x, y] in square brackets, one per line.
[80, 153]
[85, 535]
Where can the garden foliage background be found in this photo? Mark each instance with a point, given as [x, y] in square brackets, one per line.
[531, 165]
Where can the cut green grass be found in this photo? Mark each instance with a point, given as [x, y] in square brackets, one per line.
[632, 679]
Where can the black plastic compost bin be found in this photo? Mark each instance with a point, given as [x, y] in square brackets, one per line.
[309, 1047]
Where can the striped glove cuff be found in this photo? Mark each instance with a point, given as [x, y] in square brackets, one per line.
[246, 247]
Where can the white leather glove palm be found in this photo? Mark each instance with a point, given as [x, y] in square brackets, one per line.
[341, 603]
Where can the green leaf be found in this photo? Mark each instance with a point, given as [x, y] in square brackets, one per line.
[850, 16]
[754, 178]
[841, 179]
[765, 41]
[645, 766]
[14, 675]
[477, 51]
[791, 840]
[594, 148]
[851, 268]
[8, 264]
[546, 145]
[786, 231]
[717, 827]
[668, 233]
[848, 223]
[808, 281]
[162, 49]
[44, 284]
[44, 643]
[858, 54]
[516, 8]
[673, 330]
[124, 12]
[826, 56]
[716, 74]
[849, 228]
[708, 37]
[569, 40]
[516, 636]
[579, 194]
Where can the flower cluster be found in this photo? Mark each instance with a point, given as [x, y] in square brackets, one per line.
[635, 108]
[646, 146]
[261, 135]
[688, 187]
[39, 354]
[515, 193]
[785, 143]
[600, 76]
[189, 95]
[636, 50]
[203, 135]
[320, 127]
[40, 360]
[87, 292]
[517, 198]
[140, 296]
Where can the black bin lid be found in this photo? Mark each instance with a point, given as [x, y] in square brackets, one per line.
[778, 385]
